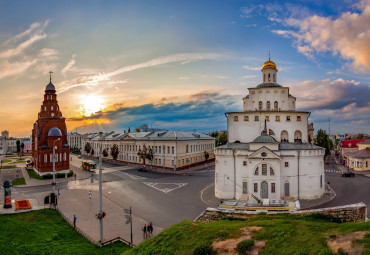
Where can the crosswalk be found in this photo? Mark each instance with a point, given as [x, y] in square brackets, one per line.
[333, 171]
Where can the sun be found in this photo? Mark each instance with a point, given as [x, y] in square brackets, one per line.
[91, 104]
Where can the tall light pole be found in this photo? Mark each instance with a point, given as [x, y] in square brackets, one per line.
[54, 183]
[101, 195]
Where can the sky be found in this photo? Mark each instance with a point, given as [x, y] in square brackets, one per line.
[180, 65]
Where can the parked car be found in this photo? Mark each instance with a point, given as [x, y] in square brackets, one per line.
[141, 169]
[348, 174]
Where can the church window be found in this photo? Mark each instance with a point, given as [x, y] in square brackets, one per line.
[286, 164]
[256, 118]
[244, 163]
[269, 77]
[272, 173]
[260, 106]
[235, 118]
[298, 118]
[256, 171]
[52, 107]
[45, 158]
[264, 169]
[60, 156]
[255, 187]
[273, 187]
[245, 187]
[268, 105]
[65, 156]
[274, 78]
[51, 157]
[264, 77]
[45, 108]
[287, 118]
[277, 118]
[320, 181]
[276, 105]
[52, 114]
[56, 157]
[246, 118]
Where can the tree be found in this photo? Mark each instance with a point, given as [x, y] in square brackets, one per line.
[323, 140]
[87, 148]
[129, 130]
[22, 147]
[206, 155]
[105, 153]
[150, 155]
[360, 136]
[18, 146]
[92, 152]
[221, 138]
[142, 154]
[114, 151]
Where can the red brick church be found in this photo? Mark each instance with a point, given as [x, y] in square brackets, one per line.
[50, 130]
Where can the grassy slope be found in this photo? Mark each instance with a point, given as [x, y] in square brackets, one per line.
[46, 232]
[18, 181]
[285, 234]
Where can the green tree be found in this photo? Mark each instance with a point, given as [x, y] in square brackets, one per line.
[87, 148]
[114, 151]
[18, 146]
[214, 134]
[360, 136]
[323, 140]
[105, 153]
[142, 154]
[221, 138]
[149, 155]
[22, 147]
[92, 152]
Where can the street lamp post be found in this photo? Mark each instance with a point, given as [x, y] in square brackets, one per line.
[101, 195]
[54, 182]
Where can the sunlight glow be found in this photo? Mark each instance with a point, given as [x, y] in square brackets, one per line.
[91, 104]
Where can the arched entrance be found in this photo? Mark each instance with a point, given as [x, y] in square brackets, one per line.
[264, 190]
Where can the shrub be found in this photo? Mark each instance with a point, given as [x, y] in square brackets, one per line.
[203, 249]
[342, 252]
[244, 246]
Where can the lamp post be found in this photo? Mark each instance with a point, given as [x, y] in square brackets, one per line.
[101, 194]
[54, 183]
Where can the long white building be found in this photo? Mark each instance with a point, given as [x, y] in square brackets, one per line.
[171, 149]
[268, 153]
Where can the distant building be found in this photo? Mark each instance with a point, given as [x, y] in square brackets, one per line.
[50, 131]
[346, 146]
[171, 149]
[75, 141]
[5, 134]
[27, 147]
[8, 146]
[268, 154]
[145, 128]
[358, 160]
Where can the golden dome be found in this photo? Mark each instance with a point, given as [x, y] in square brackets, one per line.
[269, 64]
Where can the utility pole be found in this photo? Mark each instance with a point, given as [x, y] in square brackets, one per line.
[129, 220]
[101, 195]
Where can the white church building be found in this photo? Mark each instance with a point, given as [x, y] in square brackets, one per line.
[268, 153]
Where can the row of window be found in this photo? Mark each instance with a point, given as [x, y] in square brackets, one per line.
[255, 187]
[57, 157]
[257, 118]
[268, 105]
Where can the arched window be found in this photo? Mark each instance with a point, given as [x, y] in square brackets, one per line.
[269, 77]
[320, 181]
[45, 158]
[284, 136]
[272, 173]
[264, 169]
[274, 78]
[298, 136]
[260, 105]
[65, 156]
[52, 107]
[271, 132]
[51, 157]
[276, 106]
[286, 189]
[256, 171]
[268, 105]
[264, 77]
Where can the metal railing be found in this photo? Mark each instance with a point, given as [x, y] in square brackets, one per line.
[116, 240]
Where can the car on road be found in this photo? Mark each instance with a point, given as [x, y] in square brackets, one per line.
[141, 169]
[348, 174]
[89, 165]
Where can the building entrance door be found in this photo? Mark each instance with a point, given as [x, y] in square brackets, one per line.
[286, 189]
[264, 190]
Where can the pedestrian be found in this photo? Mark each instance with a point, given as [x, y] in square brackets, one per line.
[74, 220]
[90, 194]
[75, 176]
[145, 235]
[150, 229]
[58, 193]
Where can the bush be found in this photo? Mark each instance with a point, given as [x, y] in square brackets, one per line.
[342, 252]
[203, 249]
[244, 246]
[18, 181]
[34, 175]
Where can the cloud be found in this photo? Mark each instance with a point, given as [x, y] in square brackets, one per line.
[257, 68]
[221, 77]
[14, 57]
[341, 100]
[250, 11]
[348, 35]
[207, 107]
[94, 80]
[249, 76]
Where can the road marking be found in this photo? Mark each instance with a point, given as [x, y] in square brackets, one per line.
[162, 186]
[135, 177]
[201, 195]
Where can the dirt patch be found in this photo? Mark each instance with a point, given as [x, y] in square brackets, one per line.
[228, 246]
[345, 243]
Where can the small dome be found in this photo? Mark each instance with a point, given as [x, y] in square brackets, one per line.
[269, 64]
[54, 131]
[268, 85]
[50, 87]
[264, 139]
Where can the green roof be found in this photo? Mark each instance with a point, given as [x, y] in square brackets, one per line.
[264, 139]
[268, 85]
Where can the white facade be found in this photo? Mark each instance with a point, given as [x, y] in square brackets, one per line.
[268, 153]
[171, 149]
[75, 140]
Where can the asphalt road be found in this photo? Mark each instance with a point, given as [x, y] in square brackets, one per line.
[348, 190]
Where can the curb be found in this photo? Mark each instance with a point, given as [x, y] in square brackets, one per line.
[42, 185]
[309, 208]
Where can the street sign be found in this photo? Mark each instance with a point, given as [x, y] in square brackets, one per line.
[127, 210]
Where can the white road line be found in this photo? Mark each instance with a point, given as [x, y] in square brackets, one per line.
[135, 177]
[166, 189]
